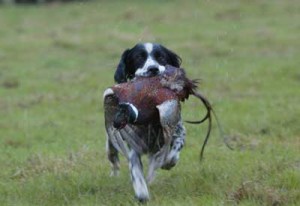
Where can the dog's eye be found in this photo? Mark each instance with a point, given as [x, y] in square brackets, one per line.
[158, 55]
[141, 55]
[160, 58]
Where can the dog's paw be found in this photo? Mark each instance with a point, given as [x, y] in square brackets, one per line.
[142, 199]
[171, 160]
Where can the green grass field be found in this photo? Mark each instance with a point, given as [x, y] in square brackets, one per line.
[57, 59]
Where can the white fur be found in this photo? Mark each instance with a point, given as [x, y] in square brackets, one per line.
[138, 180]
[139, 184]
[148, 47]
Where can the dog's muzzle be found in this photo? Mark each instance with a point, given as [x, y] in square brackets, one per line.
[152, 71]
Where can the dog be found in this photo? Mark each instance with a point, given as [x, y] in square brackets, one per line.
[146, 60]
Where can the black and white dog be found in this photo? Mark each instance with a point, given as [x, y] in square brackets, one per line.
[147, 60]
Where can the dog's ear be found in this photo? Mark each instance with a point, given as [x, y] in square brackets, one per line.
[120, 74]
[173, 57]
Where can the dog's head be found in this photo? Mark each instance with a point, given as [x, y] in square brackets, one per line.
[147, 59]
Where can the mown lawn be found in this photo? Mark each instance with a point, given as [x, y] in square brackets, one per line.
[57, 59]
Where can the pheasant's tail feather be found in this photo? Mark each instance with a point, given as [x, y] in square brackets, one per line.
[208, 116]
[207, 106]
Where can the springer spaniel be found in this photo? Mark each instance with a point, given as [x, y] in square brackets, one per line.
[146, 60]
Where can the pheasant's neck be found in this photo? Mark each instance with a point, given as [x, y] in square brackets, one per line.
[133, 113]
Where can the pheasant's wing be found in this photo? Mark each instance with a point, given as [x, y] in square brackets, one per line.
[169, 115]
[128, 137]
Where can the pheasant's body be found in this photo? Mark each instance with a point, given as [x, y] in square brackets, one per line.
[147, 93]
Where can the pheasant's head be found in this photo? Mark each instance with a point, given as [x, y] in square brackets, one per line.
[127, 113]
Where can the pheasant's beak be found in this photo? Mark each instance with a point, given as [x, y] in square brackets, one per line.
[120, 120]
[119, 125]
[122, 116]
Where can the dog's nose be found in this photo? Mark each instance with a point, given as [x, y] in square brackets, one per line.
[153, 70]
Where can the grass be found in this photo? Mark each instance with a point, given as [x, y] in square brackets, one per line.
[57, 59]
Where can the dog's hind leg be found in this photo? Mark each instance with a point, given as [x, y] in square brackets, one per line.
[113, 157]
[137, 177]
[178, 139]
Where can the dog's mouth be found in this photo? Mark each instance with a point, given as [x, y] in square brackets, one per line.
[153, 71]
[150, 74]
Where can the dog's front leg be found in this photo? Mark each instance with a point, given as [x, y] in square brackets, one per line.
[176, 146]
[137, 177]
[113, 157]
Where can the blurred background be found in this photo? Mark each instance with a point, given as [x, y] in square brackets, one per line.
[35, 1]
[57, 57]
